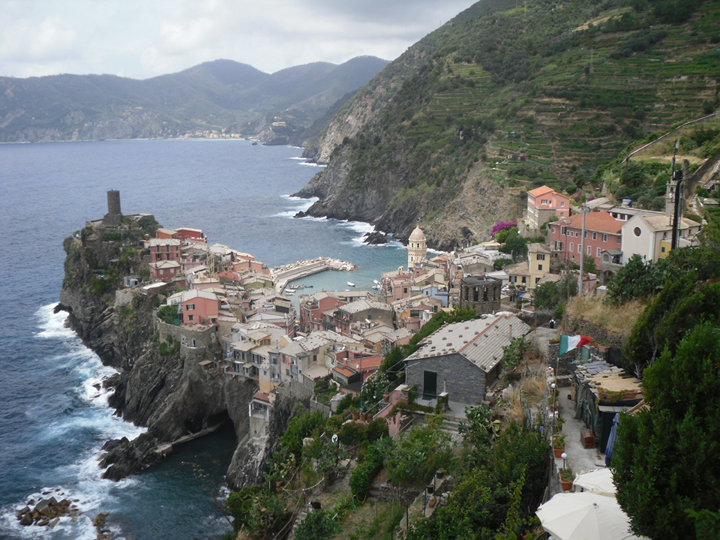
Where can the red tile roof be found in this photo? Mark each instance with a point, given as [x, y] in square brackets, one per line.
[594, 221]
[540, 191]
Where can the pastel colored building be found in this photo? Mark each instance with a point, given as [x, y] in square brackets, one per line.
[602, 233]
[164, 249]
[200, 307]
[186, 233]
[650, 236]
[542, 203]
[312, 307]
[165, 270]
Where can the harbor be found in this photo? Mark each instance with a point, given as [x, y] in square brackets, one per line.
[282, 275]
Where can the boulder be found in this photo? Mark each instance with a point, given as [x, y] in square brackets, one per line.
[20, 513]
[375, 238]
[54, 522]
[26, 519]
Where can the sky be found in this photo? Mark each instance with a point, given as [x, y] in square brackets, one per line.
[145, 38]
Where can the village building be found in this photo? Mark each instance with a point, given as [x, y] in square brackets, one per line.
[542, 204]
[362, 310]
[539, 257]
[163, 249]
[165, 270]
[650, 236]
[463, 359]
[311, 308]
[603, 232]
[481, 293]
[200, 307]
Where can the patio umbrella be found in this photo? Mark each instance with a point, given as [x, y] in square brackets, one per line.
[585, 516]
[599, 481]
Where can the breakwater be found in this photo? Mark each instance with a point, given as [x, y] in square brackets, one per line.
[282, 275]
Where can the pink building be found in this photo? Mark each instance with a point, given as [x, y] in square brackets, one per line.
[602, 232]
[186, 233]
[245, 265]
[542, 203]
[164, 249]
[200, 307]
[164, 270]
[312, 308]
[398, 287]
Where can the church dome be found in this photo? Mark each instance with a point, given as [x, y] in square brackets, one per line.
[417, 235]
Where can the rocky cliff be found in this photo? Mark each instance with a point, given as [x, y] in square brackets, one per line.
[158, 386]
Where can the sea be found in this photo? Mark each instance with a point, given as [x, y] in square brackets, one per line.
[54, 416]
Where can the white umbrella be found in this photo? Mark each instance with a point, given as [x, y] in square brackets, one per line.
[585, 516]
[599, 481]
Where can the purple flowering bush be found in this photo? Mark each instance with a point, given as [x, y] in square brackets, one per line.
[502, 226]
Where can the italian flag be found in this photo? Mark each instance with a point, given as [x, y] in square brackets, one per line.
[568, 343]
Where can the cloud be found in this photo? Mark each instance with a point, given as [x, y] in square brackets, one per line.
[159, 36]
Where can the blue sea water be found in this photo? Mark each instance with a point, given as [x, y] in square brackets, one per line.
[53, 418]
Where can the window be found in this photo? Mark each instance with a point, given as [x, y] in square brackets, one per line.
[598, 251]
[536, 280]
[314, 357]
[604, 237]
[191, 317]
[563, 230]
[524, 280]
[562, 214]
[572, 246]
[541, 257]
[579, 248]
[589, 250]
[637, 231]
[594, 236]
[585, 234]
[553, 229]
[190, 307]
[662, 249]
[544, 201]
[539, 266]
[287, 372]
[562, 204]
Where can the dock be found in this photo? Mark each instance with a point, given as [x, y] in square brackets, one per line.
[282, 275]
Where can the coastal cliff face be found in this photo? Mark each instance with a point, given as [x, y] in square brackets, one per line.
[450, 217]
[499, 101]
[157, 386]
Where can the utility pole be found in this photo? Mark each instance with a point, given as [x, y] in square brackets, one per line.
[582, 251]
[678, 177]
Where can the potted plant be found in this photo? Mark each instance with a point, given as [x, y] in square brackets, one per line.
[566, 478]
[558, 445]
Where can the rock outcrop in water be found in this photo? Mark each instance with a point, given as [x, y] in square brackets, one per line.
[157, 387]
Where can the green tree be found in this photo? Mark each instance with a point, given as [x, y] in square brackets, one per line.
[317, 525]
[666, 460]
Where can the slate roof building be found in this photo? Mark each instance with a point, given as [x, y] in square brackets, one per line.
[463, 359]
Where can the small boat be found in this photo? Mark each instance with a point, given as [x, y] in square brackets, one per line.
[376, 287]
[289, 293]
[350, 284]
[376, 282]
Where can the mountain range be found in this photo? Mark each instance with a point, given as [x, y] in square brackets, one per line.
[220, 96]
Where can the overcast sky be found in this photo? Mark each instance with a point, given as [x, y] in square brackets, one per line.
[144, 38]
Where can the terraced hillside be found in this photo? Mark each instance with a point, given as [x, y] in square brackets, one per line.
[499, 103]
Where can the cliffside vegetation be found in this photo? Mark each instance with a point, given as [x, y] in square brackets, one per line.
[533, 94]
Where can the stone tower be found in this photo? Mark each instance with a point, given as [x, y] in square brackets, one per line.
[417, 248]
[114, 215]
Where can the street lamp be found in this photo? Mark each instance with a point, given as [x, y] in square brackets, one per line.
[564, 457]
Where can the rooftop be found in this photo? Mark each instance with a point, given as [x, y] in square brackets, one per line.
[594, 221]
[481, 340]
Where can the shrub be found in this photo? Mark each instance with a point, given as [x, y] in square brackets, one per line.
[364, 474]
[317, 524]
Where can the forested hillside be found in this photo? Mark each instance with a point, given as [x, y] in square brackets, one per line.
[220, 96]
[453, 133]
